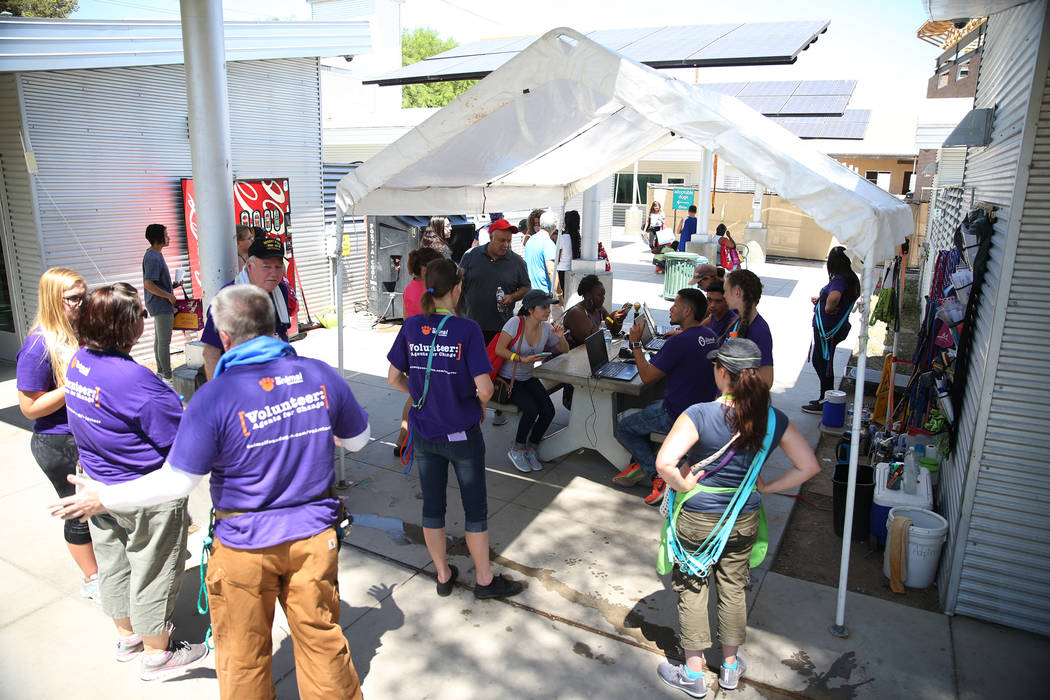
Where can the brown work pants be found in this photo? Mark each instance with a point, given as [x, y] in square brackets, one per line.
[244, 584]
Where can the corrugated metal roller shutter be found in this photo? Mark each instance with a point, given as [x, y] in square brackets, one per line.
[1001, 554]
[112, 145]
[25, 265]
[355, 265]
[282, 139]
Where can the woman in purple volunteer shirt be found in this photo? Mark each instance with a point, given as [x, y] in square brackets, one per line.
[743, 290]
[831, 320]
[124, 419]
[40, 376]
[440, 361]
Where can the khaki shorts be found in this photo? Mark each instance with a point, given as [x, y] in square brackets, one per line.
[141, 555]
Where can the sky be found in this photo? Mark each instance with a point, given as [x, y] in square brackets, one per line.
[872, 41]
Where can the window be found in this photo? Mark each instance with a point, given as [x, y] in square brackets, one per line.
[882, 179]
[942, 80]
[964, 71]
[676, 181]
[625, 186]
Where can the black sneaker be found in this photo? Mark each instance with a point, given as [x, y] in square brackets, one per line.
[499, 587]
[814, 407]
[445, 589]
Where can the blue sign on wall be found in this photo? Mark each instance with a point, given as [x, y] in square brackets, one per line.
[682, 198]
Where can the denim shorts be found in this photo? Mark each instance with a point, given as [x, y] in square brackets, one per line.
[467, 458]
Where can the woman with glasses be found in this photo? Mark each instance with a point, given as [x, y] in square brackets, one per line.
[734, 434]
[40, 378]
[124, 419]
[526, 338]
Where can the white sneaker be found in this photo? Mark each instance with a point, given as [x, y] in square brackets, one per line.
[520, 460]
[89, 589]
[537, 465]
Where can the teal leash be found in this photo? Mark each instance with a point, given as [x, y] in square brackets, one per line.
[202, 594]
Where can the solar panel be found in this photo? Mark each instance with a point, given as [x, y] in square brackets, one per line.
[748, 44]
[765, 105]
[826, 87]
[853, 124]
[774, 87]
[816, 104]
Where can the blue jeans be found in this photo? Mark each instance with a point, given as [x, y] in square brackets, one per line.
[467, 457]
[633, 433]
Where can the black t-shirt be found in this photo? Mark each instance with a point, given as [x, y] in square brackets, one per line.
[482, 276]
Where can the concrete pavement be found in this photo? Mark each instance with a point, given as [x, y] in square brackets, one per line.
[595, 618]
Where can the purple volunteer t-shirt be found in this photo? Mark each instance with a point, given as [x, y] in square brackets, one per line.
[720, 327]
[123, 416]
[837, 284]
[759, 334]
[33, 373]
[452, 403]
[264, 432]
[690, 377]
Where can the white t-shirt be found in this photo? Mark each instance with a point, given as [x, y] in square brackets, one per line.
[564, 254]
[521, 346]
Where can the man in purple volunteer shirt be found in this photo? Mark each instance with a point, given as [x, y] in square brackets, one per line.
[719, 316]
[690, 380]
[263, 429]
[265, 269]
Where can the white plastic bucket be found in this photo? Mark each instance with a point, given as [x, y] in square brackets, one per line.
[833, 415]
[925, 539]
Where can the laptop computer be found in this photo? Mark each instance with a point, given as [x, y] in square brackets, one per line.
[601, 366]
[649, 340]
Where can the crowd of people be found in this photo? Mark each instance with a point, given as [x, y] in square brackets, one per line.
[265, 425]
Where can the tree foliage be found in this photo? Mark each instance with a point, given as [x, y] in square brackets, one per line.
[39, 8]
[415, 46]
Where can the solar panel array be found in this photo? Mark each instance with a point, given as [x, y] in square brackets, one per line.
[853, 124]
[789, 98]
[746, 44]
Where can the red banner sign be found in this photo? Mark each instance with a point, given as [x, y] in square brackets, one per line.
[262, 203]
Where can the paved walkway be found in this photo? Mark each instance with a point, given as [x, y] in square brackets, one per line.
[595, 618]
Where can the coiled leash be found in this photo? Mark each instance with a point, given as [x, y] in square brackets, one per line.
[202, 595]
[699, 562]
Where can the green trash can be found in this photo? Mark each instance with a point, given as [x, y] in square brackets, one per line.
[678, 270]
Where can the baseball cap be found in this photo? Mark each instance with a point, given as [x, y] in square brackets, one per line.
[705, 270]
[536, 297]
[266, 247]
[502, 224]
[736, 355]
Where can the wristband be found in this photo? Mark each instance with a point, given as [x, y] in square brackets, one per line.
[514, 357]
[610, 320]
[636, 345]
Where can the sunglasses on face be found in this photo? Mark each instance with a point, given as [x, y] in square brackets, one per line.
[73, 300]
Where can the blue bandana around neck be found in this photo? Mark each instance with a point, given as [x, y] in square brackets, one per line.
[255, 351]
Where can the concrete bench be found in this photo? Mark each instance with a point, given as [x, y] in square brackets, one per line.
[550, 386]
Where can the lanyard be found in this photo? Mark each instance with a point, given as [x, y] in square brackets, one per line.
[430, 361]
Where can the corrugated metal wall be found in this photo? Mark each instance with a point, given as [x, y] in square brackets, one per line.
[1000, 561]
[113, 143]
[950, 164]
[355, 262]
[21, 244]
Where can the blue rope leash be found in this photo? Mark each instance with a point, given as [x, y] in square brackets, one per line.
[202, 595]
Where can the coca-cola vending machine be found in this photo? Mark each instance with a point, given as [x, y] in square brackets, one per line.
[264, 203]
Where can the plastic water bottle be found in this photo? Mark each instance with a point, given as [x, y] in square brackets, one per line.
[500, 295]
[911, 472]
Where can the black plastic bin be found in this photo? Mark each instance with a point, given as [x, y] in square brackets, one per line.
[861, 504]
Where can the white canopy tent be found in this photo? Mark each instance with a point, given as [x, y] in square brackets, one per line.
[566, 113]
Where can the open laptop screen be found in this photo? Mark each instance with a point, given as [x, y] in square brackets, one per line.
[597, 354]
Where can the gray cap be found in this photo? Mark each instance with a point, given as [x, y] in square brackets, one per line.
[537, 297]
[737, 354]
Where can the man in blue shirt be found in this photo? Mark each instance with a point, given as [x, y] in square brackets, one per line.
[540, 252]
[160, 302]
[690, 380]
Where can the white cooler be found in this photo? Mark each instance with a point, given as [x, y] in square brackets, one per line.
[885, 499]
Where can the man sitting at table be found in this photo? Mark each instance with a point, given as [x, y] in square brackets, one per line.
[690, 380]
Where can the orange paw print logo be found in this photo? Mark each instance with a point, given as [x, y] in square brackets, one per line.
[266, 383]
[425, 330]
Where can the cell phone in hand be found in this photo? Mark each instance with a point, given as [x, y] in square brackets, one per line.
[543, 355]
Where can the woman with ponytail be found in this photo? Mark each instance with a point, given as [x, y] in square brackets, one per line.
[731, 437]
[40, 378]
[743, 290]
[831, 320]
[441, 362]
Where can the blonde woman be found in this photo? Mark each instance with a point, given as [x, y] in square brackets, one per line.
[41, 378]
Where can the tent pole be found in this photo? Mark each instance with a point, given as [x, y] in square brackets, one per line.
[893, 361]
[592, 211]
[341, 468]
[703, 203]
[634, 197]
[839, 628]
